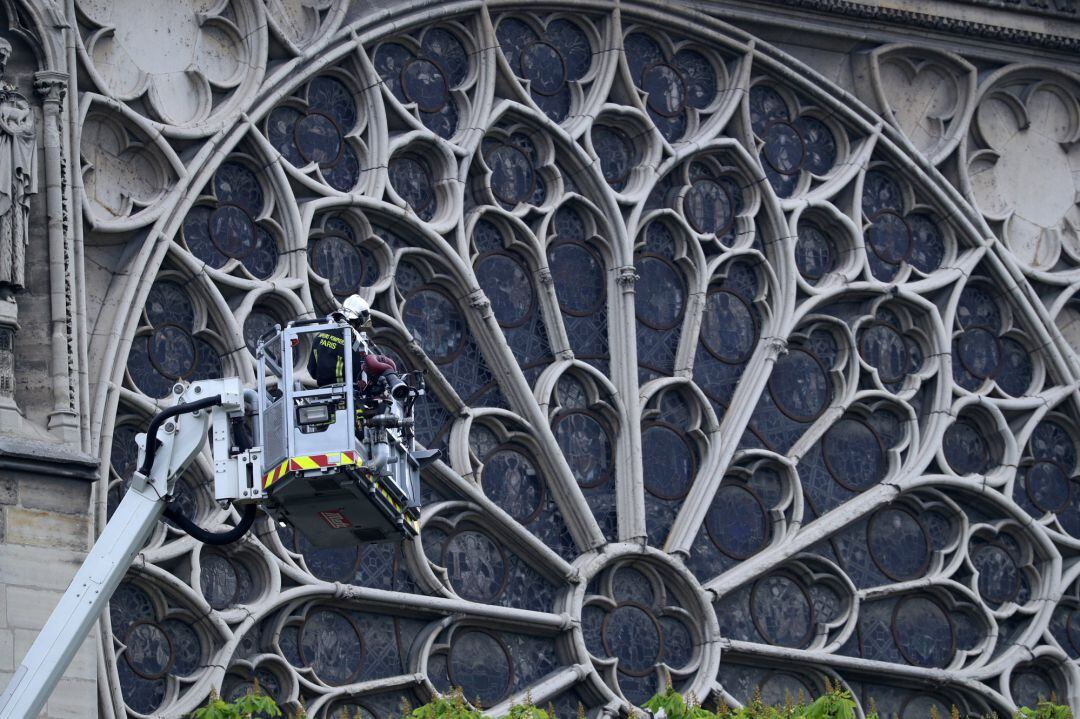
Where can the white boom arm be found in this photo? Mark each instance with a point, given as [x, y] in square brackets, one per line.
[181, 437]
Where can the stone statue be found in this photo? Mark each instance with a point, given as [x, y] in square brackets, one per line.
[18, 179]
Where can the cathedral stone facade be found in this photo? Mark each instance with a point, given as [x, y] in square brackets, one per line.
[751, 331]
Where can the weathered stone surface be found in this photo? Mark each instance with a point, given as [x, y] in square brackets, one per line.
[45, 529]
[68, 496]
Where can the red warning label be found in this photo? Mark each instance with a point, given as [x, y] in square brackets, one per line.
[336, 519]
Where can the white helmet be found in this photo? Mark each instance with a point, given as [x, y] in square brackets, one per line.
[355, 309]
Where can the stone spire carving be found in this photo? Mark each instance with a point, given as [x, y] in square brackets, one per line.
[18, 179]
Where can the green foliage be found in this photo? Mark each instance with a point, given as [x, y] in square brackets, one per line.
[835, 703]
[1045, 710]
[447, 706]
[249, 706]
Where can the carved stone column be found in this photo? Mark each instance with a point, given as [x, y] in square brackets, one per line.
[52, 87]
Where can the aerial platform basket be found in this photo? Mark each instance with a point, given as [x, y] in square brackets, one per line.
[338, 476]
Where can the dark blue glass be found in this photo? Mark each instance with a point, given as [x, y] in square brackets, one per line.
[889, 238]
[124, 454]
[1047, 486]
[672, 127]
[350, 710]
[330, 644]
[263, 259]
[799, 386]
[592, 622]
[928, 249]
[556, 106]
[923, 632]
[883, 347]
[665, 89]
[898, 543]
[999, 577]
[479, 663]
[512, 176]
[444, 122]
[514, 35]
[172, 351]
[784, 149]
[630, 585]
[587, 448]
[412, 180]
[766, 107]
[728, 327]
[337, 564]
[422, 82]
[148, 650]
[641, 51]
[815, 253]
[854, 454]
[781, 688]
[220, 583]
[543, 66]
[660, 295]
[511, 481]
[143, 373]
[568, 224]
[782, 184]
[196, 233]
[232, 231]
[434, 320]
[187, 652]
[616, 154]
[678, 642]
[699, 76]
[476, 565]
[965, 449]
[737, 522]
[506, 283]
[168, 304]
[670, 461]
[1016, 370]
[329, 96]
[881, 194]
[632, 634]
[141, 695]
[579, 278]
[318, 139]
[782, 611]
[709, 207]
[390, 59]
[573, 45]
[979, 352]
[977, 308]
[447, 50]
[819, 145]
[280, 130]
[1030, 687]
[1050, 441]
[235, 184]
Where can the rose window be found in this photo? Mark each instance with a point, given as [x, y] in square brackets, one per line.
[733, 391]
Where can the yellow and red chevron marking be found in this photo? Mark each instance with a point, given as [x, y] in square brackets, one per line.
[275, 474]
[319, 461]
[313, 461]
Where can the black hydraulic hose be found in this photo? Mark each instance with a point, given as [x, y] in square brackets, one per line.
[218, 539]
[177, 518]
[159, 419]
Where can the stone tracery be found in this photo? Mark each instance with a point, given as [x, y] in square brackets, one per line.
[635, 336]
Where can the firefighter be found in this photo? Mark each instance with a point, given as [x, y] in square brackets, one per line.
[326, 365]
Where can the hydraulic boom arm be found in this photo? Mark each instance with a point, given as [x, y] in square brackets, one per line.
[180, 432]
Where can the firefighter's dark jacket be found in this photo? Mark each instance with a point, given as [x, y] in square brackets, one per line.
[326, 364]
